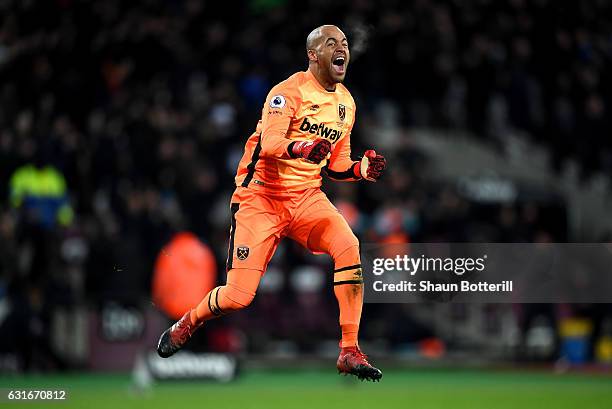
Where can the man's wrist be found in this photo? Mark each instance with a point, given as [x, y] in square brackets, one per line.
[357, 170]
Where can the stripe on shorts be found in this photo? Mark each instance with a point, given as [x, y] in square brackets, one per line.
[230, 251]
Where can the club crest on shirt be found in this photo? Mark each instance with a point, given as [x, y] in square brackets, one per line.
[341, 112]
[242, 252]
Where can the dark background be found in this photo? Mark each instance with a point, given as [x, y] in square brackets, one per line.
[143, 107]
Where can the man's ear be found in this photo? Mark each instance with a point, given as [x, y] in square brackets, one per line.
[312, 56]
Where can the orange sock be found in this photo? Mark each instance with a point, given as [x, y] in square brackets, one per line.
[335, 238]
[237, 294]
[348, 288]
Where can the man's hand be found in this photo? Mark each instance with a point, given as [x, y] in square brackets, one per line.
[372, 165]
[313, 151]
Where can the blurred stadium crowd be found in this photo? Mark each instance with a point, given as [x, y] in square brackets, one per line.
[123, 122]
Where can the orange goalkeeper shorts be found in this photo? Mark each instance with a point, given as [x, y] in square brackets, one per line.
[261, 219]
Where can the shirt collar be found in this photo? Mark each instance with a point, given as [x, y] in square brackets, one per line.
[317, 83]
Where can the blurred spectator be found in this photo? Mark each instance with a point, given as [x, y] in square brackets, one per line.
[39, 190]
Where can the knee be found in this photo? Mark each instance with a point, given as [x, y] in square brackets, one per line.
[335, 239]
[238, 297]
[351, 240]
[239, 291]
[346, 248]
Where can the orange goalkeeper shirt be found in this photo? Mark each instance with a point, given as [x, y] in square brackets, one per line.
[298, 109]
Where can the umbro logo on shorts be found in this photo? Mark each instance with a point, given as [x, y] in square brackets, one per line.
[242, 252]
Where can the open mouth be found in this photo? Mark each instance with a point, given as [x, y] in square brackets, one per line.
[339, 64]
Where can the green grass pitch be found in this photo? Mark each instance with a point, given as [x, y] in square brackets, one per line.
[321, 389]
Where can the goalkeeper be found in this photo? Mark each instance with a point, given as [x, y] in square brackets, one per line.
[305, 128]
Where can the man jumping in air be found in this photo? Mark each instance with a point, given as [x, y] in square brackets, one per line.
[305, 127]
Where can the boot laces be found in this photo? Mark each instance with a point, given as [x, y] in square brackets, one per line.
[362, 355]
[183, 331]
[357, 354]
